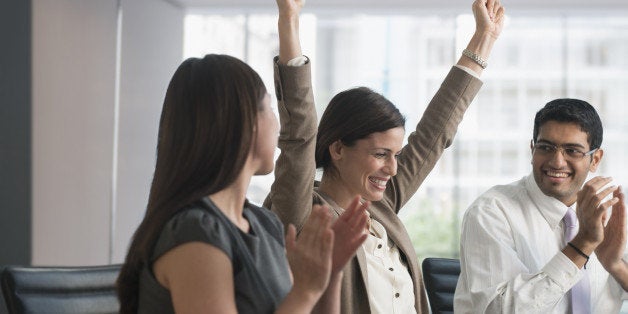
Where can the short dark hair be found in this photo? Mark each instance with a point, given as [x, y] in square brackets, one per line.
[572, 111]
[352, 115]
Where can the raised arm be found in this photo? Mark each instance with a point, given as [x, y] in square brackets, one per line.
[288, 26]
[436, 129]
[489, 21]
[291, 192]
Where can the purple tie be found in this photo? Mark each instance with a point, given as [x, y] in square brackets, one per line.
[580, 292]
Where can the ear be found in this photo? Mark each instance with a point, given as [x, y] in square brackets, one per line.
[336, 149]
[532, 152]
[595, 162]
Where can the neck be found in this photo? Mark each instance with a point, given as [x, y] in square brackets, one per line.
[230, 200]
[334, 188]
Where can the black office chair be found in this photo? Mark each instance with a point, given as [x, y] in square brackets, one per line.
[60, 289]
[441, 276]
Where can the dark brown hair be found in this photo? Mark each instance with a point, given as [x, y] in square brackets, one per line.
[568, 110]
[352, 115]
[205, 133]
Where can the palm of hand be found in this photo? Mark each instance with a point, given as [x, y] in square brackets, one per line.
[349, 233]
[612, 247]
[309, 256]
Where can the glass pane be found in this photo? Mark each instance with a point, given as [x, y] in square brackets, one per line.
[537, 59]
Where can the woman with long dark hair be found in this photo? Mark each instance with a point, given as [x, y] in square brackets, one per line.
[202, 247]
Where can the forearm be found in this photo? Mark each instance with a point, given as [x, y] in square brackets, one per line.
[481, 44]
[619, 271]
[330, 300]
[489, 20]
[499, 276]
[289, 42]
[524, 292]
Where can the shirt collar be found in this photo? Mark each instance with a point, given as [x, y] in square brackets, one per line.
[550, 208]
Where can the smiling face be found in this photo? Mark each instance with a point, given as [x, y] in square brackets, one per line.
[366, 167]
[556, 176]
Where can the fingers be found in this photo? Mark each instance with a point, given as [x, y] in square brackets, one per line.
[490, 5]
[352, 210]
[327, 245]
[355, 217]
[480, 9]
[591, 197]
[620, 195]
[324, 233]
[291, 236]
[499, 16]
[618, 213]
[321, 239]
[362, 221]
[290, 7]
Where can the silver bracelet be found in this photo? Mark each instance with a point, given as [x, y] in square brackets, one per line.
[476, 58]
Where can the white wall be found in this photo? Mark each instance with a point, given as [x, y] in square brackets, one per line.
[73, 92]
[152, 43]
[74, 83]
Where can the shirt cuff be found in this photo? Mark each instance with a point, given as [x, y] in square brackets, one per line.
[464, 68]
[297, 62]
[563, 271]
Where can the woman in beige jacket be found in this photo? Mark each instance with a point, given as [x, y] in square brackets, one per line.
[358, 144]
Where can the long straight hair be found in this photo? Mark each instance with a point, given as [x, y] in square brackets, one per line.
[205, 134]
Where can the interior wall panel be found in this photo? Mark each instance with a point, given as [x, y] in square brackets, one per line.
[73, 93]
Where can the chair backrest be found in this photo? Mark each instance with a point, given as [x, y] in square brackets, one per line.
[441, 276]
[61, 289]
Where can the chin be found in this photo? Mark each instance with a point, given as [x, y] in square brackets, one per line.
[374, 197]
[559, 194]
[264, 171]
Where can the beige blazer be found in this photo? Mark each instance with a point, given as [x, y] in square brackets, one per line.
[294, 191]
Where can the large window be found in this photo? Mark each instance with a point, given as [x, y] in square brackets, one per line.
[406, 57]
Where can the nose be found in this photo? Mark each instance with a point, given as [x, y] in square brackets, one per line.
[558, 158]
[391, 166]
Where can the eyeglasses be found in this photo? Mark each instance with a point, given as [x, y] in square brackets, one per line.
[569, 153]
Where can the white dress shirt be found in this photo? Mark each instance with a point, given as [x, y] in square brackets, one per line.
[389, 285]
[511, 259]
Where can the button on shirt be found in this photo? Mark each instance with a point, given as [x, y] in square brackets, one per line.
[389, 283]
[511, 259]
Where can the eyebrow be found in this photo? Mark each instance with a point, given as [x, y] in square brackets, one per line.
[388, 150]
[561, 145]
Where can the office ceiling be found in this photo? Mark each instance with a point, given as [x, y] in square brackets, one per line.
[355, 6]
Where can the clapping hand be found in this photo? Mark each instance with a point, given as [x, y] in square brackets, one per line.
[611, 250]
[591, 211]
[310, 254]
[349, 233]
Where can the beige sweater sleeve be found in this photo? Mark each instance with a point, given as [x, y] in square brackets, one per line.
[434, 132]
[291, 193]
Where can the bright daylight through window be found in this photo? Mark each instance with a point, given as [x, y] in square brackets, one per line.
[406, 57]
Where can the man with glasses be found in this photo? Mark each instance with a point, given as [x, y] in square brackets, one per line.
[547, 243]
